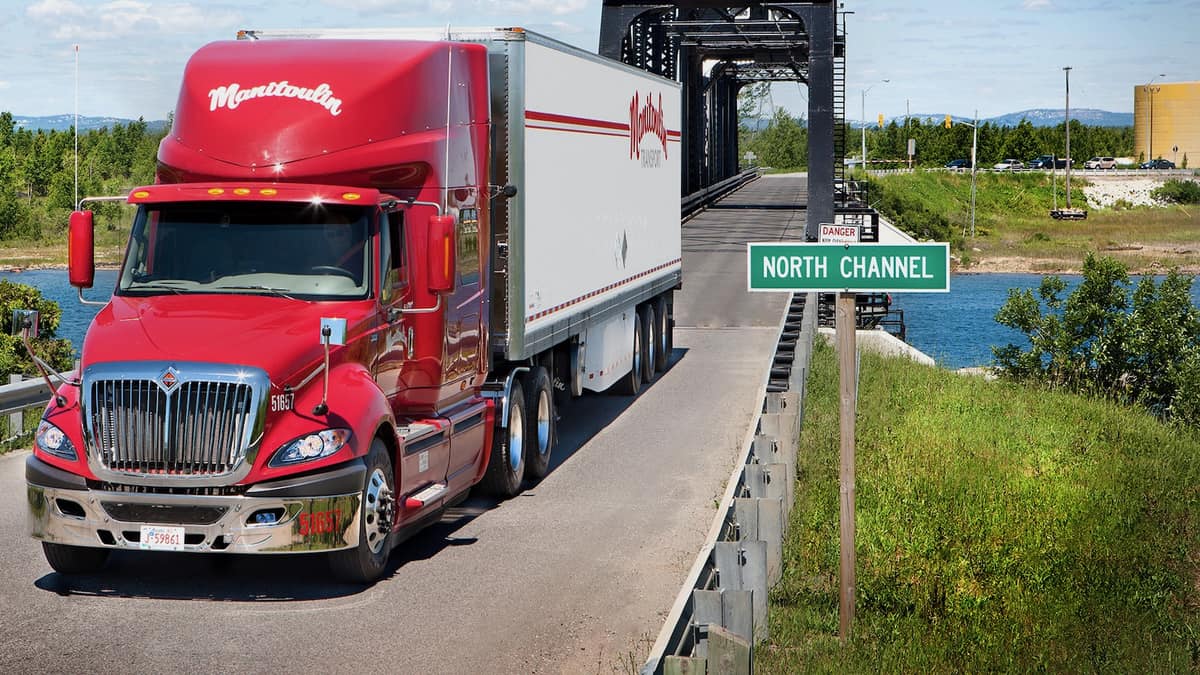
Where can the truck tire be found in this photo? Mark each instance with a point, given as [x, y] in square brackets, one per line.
[662, 333]
[74, 559]
[543, 433]
[631, 383]
[649, 343]
[506, 467]
[366, 562]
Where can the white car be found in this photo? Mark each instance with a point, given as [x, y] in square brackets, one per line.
[1009, 165]
[1101, 163]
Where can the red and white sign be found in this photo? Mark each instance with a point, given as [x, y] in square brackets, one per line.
[838, 234]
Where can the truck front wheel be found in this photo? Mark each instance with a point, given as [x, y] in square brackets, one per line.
[74, 559]
[367, 561]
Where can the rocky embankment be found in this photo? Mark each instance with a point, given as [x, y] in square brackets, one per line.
[1104, 192]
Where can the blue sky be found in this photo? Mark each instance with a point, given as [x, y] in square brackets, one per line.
[943, 56]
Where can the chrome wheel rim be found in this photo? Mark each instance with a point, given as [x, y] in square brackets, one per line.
[651, 347]
[543, 422]
[516, 438]
[376, 514]
[637, 349]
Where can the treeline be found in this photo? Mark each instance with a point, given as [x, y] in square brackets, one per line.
[782, 143]
[37, 173]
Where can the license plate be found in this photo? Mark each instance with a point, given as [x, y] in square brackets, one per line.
[159, 538]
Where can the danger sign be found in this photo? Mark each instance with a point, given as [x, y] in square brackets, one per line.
[838, 234]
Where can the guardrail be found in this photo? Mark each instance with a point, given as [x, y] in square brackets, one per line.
[710, 194]
[18, 396]
[721, 612]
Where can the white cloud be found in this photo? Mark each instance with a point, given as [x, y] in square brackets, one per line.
[555, 7]
[477, 7]
[67, 20]
[1035, 4]
[54, 10]
[5, 84]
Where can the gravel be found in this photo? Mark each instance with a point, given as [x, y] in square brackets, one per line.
[1104, 192]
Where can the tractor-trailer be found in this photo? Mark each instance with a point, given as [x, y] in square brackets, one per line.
[371, 269]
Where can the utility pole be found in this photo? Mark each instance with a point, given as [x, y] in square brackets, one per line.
[1150, 92]
[1067, 70]
[974, 147]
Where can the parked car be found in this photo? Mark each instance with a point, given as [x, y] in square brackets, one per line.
[1101, 163]
[1159, 163]
[1048, 162]
[958, 164]
[1009, 165]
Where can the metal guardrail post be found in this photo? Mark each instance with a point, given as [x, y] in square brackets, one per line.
[724, 600]
[743, 567]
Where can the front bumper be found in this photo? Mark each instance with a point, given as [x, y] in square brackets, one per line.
[298, 515]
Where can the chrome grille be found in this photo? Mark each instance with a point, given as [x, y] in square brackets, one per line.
[193, 427]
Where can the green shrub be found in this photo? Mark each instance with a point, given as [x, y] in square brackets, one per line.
[1142, 348]
[13, 357]
[1178, 192]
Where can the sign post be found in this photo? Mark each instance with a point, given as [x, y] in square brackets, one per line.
[847, 268]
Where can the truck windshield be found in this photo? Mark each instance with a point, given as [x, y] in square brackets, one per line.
[296, 250]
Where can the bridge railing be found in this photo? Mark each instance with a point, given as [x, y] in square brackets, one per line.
[712, 193]
[721, 611]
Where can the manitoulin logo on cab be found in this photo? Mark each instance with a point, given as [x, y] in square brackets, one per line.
[647, 119]
[233, 94]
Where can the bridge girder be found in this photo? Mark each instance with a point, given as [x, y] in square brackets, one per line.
[716, 48]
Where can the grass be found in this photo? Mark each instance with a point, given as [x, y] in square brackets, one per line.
[1000, 528]
[1013, 222]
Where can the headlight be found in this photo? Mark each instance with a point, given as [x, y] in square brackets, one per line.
[51, 439]
[310, 447]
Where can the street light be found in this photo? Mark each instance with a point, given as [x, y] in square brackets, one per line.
[1150, 92]
[974, 146]
[864, 121]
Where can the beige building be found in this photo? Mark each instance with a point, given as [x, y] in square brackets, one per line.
[1166, 115]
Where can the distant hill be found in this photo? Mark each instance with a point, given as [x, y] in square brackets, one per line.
[1039, 117]
[64, 122]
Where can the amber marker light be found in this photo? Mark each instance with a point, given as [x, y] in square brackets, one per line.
[141, 194]
[216, 191]
[351, 196]
[268, 192]
[241, 191]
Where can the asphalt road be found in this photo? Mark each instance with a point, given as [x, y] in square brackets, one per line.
[575, 575]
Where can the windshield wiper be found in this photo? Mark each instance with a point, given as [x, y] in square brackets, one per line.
[155, 286]
[273, 291]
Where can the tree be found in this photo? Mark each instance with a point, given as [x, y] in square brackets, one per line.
[13, 357]
[783, 144]
[1144, 349]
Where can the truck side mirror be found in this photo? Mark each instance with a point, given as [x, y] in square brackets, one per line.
[442, 262]
[81, 251]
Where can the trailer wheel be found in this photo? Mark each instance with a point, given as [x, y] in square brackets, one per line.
[543, 433]
[74, 559]
[649, 343]
[631, 383]
[366, 562]
[662, 333]
[506, 467]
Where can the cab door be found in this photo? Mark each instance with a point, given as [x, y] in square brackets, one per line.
[425, 459]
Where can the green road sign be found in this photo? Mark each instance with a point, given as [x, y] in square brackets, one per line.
[773, 266]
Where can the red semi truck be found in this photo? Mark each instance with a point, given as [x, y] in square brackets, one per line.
[372, 267]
